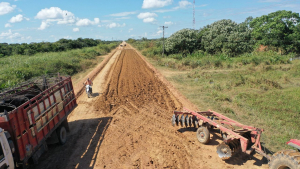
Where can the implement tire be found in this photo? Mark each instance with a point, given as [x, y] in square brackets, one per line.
[287, 159]
[203, 135]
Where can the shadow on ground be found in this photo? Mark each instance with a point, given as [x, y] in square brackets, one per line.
[95, 94]
[81, 149]
[238, 158]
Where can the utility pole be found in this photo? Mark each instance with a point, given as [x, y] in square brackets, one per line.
[194, 15]
[163, 39]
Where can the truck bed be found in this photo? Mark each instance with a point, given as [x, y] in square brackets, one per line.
[33, 110]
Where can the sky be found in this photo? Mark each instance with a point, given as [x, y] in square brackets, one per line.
[26, 21]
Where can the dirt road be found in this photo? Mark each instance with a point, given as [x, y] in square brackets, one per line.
[127, 124]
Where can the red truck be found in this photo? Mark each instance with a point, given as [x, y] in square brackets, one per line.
[31, 114]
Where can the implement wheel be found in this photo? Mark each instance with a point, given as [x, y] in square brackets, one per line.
[287, 159]
[203, 135]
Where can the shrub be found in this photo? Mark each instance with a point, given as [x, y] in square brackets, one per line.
[185, 40]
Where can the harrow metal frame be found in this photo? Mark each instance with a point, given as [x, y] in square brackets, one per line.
[218, 121]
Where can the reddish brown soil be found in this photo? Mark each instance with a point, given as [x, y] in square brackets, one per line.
[133, 84]
[127, 125]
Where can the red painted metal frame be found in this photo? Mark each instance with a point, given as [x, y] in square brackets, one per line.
[255, 132]
[294, 143]
[26, 137]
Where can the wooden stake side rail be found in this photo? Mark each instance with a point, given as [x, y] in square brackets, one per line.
[34, 121]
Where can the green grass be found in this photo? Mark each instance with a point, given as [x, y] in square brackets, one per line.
[18, 68]
[259, 89]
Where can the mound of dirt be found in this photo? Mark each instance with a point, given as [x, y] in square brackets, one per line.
[133, 84]
[126, 124]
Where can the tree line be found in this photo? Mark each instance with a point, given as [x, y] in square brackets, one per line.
[61, 45]
[279, 31]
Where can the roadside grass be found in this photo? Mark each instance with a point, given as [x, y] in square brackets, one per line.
[18, 68]
[259, 89]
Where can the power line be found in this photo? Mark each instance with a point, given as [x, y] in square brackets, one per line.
[163, 39]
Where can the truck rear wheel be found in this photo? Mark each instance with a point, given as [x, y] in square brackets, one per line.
[287, 159]
[62, 134]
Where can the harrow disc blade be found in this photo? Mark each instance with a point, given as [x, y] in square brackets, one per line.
[187, 121]
[177, 120]
[173, 120]
[196, 124]
[191, 121]
[224, 151]
[182, 121]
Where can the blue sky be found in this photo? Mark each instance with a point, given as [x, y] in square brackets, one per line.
[25, 21]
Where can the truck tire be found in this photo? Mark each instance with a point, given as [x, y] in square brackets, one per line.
[286, 159]
[62, 134]
[66, 124]
[203, 135]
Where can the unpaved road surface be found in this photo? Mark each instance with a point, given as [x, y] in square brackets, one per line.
[127, 124]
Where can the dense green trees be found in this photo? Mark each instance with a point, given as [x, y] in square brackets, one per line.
[226, 36]
[32, 48]
[279, 31]
[183, 41]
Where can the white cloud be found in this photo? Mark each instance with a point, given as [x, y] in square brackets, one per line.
[146, 15]
[18, 18]
[6, 8]
[184, 3]
[4, 34]
[87, 22]
[158, 33]
[114, 25]
[123, 14]
[169, 23]
[105, 21]
[131, 29]
[124, 17]
[156, 3]
[181, 5]
[75, 29]
[55, 14]
[166, 10]
[68, 37]
[147, 20]
[9, 35]
[96, 20]
[43, 26]
[7, 25]
[26, 38]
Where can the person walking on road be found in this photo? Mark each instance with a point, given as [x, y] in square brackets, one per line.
[88, 84]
